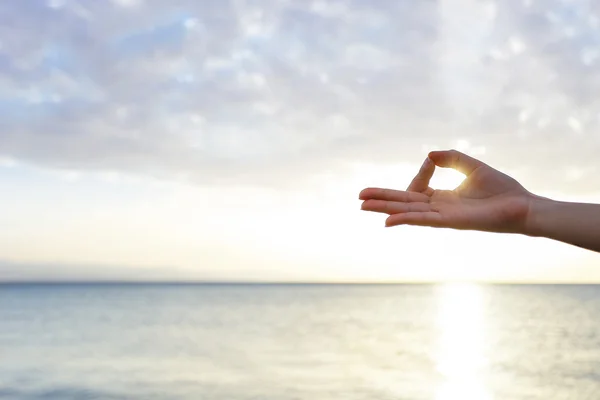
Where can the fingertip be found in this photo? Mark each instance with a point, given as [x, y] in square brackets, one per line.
[427, 164]
[366, 194]
[442, 158]
[435, 155]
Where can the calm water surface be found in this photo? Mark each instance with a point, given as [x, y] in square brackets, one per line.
[229, 342]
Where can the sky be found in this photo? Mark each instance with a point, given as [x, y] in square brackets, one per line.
[228, 139]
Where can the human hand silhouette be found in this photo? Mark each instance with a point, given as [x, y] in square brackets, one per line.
[487, 200]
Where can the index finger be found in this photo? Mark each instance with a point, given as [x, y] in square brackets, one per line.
[420, 183]
[393, 195]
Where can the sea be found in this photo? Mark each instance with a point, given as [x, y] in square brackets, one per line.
[289, 342]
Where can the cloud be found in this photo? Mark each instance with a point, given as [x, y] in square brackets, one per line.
[49, 272]
[270, 92]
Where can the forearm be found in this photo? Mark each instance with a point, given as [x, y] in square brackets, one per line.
[574, 223]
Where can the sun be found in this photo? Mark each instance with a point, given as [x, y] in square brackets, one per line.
[446, 179]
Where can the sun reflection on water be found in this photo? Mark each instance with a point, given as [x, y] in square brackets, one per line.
[461, 356]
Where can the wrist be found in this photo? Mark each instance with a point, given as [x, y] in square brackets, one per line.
[537, 211]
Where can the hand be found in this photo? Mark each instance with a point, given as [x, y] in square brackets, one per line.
[487, 200]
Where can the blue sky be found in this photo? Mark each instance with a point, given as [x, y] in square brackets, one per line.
[229, 139]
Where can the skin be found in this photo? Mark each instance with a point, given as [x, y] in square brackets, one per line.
[487, 200]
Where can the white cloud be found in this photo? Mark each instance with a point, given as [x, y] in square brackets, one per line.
[574, 124]
[590, 55]
[8, 162]
[250, 79]
[190, 23]
[264, 108]
[254, 94]
[127, 3]
[524, 115]
[574, 173]
[516, 45]
[56, 3]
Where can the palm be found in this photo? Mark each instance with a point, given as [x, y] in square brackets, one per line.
[487, 200]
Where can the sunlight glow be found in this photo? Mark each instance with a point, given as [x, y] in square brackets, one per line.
[446, 179]
[461, 358]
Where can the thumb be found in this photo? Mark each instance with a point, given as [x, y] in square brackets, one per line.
[456, 160]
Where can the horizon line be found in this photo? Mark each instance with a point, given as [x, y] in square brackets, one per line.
[281, 283]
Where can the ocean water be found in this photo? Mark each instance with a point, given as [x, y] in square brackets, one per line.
[285, 342]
